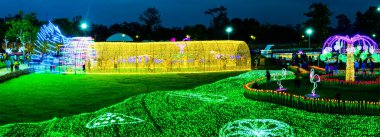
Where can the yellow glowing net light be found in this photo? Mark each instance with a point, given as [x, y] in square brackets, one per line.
[156, 57]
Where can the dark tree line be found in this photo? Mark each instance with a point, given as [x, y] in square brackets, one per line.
[247, 29]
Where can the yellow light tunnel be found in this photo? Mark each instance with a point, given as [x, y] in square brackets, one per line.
[157, 57]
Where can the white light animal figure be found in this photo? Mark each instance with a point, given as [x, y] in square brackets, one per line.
[314, 78]
[283, 76]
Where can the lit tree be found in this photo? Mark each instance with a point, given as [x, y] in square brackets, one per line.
[319, 19]
[22, 29]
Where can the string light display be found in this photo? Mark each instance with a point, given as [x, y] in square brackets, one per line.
[351, 47]
[78, 52]
[48, 38]
[184, 56]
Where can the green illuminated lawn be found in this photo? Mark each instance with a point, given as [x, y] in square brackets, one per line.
[39, 97]
[202, 111]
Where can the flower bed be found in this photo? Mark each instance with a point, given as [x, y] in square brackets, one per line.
[321, 105]
[15, 74]
[318, 70]
[330, 80]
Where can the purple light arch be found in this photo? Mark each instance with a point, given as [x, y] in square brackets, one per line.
[357, 40]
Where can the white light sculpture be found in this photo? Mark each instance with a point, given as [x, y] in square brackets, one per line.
[256, 128]
[314, 78]
[109, 119]
[283, 76]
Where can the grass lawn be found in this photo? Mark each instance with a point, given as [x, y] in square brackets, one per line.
[215, 109]
[329, 91]
[39, 97]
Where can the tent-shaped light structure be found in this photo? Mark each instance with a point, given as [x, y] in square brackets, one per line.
[76, 52]
[183, 56]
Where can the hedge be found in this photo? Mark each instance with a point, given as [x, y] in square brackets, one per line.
[15, 74]
[320, 105]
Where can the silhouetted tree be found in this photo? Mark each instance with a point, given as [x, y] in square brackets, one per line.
[368, 22]
[66, 26]
[151, 19]
[196, 32]
[22, 29]
[344, 24]
[219, 21]
[319, 20]
[100, 32]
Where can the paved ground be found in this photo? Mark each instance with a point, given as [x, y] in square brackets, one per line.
[4, 71]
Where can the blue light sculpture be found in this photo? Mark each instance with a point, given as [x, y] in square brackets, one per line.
[48, 38]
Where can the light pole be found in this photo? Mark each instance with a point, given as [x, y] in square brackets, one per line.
[228, 30]
[309, 32]
[84, 26]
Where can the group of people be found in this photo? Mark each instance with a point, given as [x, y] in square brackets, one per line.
[303, 61]
[359, 63]
[12, 62]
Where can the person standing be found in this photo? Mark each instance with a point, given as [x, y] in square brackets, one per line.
[268, 77]
[363, 67]
[17, 64]
[12, 63]
[297, 80]
[371, 66]
[8, 63]
[356, 64]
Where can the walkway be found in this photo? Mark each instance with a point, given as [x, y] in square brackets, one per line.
[4, 71]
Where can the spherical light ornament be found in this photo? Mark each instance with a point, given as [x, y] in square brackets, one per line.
[342, 57]
[363, 56]
[329, 55]
[359, 47]
[322, 57]
[329, 49]
[350, 50]
[376, 57]
[365, 47]
[337, 45]
[371, 49]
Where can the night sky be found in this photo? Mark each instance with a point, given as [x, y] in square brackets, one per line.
[180, 12]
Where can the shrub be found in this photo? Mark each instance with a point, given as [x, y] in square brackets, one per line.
[15, 74]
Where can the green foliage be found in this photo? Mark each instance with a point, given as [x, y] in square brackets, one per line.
[22, 29]
[166, 115]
